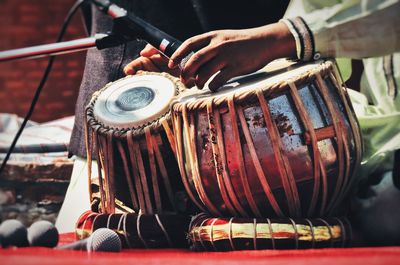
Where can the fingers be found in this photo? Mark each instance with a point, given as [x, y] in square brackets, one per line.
[192, 44]
[148, 51]
[154, 63]
[200, 60]
[160, 61]
[208, 59]
[207, 70]
[140, 64]
[150, 60]
[221, 78]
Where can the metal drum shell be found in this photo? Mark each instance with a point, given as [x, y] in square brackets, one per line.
[290, 148]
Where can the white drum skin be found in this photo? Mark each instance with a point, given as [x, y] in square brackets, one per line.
[134, 101]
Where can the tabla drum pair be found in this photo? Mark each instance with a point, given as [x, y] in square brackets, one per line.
[282, 142]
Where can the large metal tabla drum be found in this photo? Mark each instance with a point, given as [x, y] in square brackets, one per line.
[129, 130]
[283, 141]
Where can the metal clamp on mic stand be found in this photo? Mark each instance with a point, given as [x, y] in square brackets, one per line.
[129, 27]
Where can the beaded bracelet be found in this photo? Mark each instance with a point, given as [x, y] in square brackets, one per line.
[304, 38]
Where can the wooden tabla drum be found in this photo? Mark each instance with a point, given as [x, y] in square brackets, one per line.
[225, 234]
[283, 141]
[138, 230]
[129, 130]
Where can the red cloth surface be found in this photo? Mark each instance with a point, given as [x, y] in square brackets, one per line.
[352, 256]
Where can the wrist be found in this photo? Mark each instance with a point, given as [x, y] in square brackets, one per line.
[286, 41]
[279, 41]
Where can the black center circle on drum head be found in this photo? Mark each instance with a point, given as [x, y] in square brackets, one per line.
[135, 98]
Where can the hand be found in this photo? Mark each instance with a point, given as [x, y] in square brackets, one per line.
[150, 60]
[232, 53]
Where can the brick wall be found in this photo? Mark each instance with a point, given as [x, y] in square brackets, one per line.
[25, 23]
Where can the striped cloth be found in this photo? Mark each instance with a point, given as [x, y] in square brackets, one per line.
[40, 142]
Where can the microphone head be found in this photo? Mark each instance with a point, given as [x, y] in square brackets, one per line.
[43, 234]
[104, 239]
[13, 233]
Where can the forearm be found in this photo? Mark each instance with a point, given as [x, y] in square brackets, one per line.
[232, 52]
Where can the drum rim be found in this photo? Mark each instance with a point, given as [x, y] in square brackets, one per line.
[99, 126]
[323, 67]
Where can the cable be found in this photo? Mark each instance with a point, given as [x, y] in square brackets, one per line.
[46, 73]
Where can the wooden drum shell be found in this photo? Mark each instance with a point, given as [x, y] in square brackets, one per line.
[138, 168]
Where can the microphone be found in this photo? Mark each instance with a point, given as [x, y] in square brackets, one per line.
[13, 233]
[103, 239]
[132, 27]
[43, 234]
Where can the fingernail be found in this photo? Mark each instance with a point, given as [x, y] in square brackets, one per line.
[171, 64]
[185, 82]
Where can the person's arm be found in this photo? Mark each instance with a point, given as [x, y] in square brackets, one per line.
[354, 28]
[232, 53]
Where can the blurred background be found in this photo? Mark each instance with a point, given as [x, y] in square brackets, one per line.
[33, 185]
[26, 23]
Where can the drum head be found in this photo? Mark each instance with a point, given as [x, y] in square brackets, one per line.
[274, 72]
[135, 100]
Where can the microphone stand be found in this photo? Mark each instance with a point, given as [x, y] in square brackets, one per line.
[99, 41]
[126, 27]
